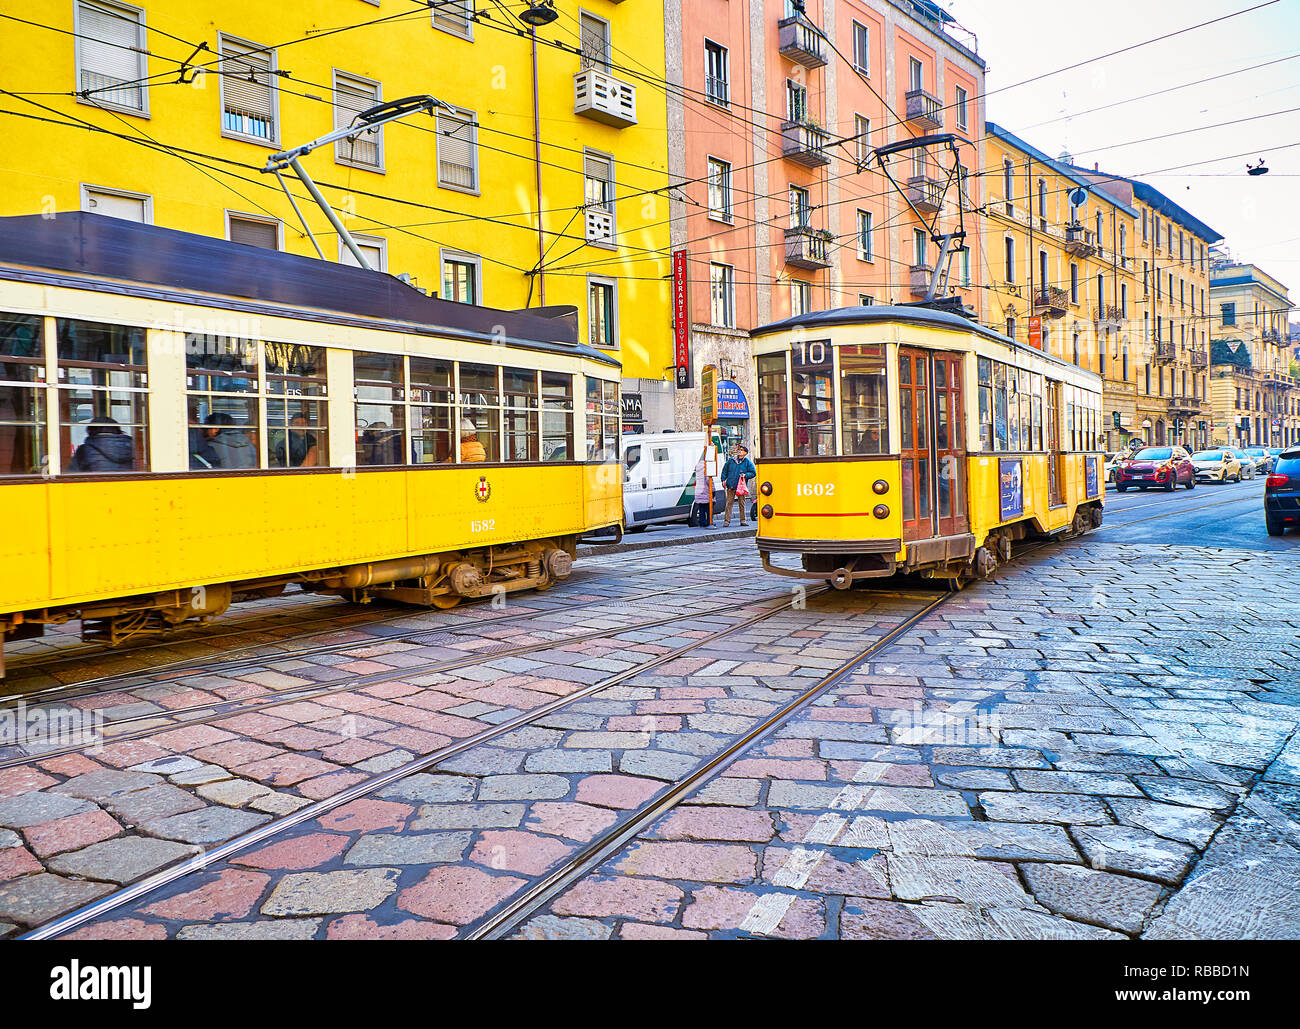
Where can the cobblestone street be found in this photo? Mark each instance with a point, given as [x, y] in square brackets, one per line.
[1099, 743]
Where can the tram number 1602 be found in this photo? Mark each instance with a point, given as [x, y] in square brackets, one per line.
[814, 489]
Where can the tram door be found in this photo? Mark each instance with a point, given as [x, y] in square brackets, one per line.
[933, 449]
[1054, 444]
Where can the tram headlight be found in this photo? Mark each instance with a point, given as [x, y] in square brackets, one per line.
[880, 486]
[765, 489]
[880, 511]
[767, 511]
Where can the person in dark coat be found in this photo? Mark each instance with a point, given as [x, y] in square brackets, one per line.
[738, 466]
[106, 449]
[225, 445]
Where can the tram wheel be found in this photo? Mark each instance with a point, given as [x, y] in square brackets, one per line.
[546, 585]
[446, 601]
[955, 584]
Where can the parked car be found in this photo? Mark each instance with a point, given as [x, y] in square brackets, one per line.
[659, 478]
[1282, 494]
[1166, 467]
[1216, 466]
[1112, 459]
[1248, 469]
[1263, 459]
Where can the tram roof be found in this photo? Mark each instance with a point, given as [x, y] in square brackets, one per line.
[904, 313]
[92, 251]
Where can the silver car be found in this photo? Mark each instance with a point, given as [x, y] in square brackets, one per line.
[1248, 468]
[1263, 459]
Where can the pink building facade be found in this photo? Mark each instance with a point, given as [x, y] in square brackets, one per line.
[784, 208]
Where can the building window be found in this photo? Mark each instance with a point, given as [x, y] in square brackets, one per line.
[800, 297]
[800, 208]
[719, 190]
[602, 314]
[862, 132]
[1009, 272]
[1011, 328]
[352, 95]
[1042, 271]
[598, 181]
[457, 150]
[1145, 237]
[865, 251]
[717, 83]
[1123, 246]
[1074, 283]
[253, 231]
[1042, 205]
[915, 74]
[862, 48]
[919, 241]
[866, 300]
[1123, 300]
[594, 39]
[102, 397]
[722, 295]
[456, 17]
[960, 104]
[965, 266]
[462, 278]
[796, 101]
[110, 57]
[373, 248]
[1007, 173]
[116, 203]
[248, 99]
[1228, 313]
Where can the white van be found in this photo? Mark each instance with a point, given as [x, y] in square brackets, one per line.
[659, 478]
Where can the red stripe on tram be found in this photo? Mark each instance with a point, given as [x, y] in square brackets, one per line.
[829, 514]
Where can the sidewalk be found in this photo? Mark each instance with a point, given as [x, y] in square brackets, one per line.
[672, 535]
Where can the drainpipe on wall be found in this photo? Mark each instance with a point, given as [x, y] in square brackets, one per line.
[537, 170]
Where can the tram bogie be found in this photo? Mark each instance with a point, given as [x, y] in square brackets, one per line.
[910, 440]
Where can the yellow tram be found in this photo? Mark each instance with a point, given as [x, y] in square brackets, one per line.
[910, 439]
[185, 422]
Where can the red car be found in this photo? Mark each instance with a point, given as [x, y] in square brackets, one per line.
[1165, 467]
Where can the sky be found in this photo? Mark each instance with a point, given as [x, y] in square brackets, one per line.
[1259, 217]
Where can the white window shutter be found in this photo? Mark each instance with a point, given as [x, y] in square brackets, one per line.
[246, 89]
[457, 151]
[109, 54]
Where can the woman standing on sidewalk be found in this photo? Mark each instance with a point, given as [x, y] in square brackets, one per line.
[739, 468]
[701, 513]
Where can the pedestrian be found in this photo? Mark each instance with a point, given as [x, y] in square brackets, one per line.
[736, 474]
[700, 513]
[106, 449]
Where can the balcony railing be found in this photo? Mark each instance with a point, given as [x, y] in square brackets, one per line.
[1164, 352]
[807, 248]
[1107, 313]
[603, 98]
[1051, 301]
[1078, 240]
[1185, 404]
[804, 143]
[717, 90]
[924, 109]
[798, 41]
[1200, 357]
[925, 193]
[599, 226]
[919, 280]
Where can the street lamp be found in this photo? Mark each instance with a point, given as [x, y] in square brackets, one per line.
[535, 15]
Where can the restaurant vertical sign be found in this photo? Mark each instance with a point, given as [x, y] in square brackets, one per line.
[681, 321]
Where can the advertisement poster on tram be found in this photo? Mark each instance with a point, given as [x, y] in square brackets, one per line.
[1011, 492]
[1090, 475]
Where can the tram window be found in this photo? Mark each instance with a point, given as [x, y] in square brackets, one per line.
[557, 416]
[297, 417]
[380, 409]
[103, 397]
[22, 395]
[433, 411]
[1023, 393]
[1000, 407]
[521, 411]
[602, 420]
[814, 399]
[1013, 411]
[773, 405]
[480, 407]
[985, 382]
[223, 402]
[1036, 412]
[864, 400]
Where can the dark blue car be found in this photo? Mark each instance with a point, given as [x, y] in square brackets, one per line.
[1282, 494]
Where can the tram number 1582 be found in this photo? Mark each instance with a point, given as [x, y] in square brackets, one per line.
[814, 489]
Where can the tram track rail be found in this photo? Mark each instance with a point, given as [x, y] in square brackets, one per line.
[173, 670]
[527, 903]
[72, 920]
[167, 721]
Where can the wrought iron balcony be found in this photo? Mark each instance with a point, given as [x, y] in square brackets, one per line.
[1078, 241]
[1185, 405]
[1200, 357]
[1107, 313]
[798, 41]
[1051, 301]
[924, 109]
[925, 193]
[807, 248]
[1164, 353]
[804, 143]
[603, 98]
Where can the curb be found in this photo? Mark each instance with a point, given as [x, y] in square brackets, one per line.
[588, 550]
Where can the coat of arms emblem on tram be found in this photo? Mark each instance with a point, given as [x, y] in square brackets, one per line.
[482, 489]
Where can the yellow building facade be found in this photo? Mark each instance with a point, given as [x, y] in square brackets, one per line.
[534, 185]
[1255, 399]
[1058, 250]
